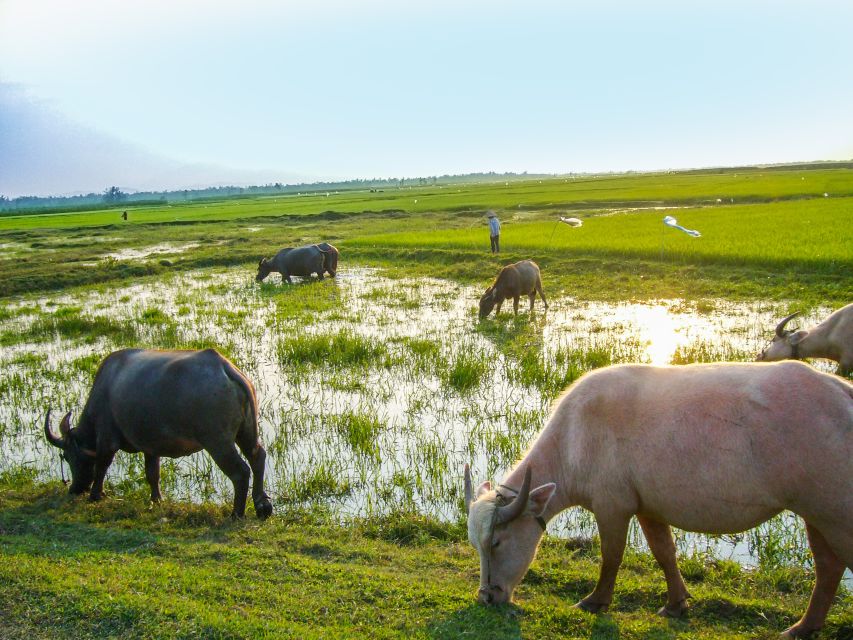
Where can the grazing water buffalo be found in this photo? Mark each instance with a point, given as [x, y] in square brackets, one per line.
[514, 281]
[301, 261]
[166, 403]
[831, 339]
[714, 448]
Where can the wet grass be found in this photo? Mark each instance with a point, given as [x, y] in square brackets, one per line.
[342, 349]
[465, 371]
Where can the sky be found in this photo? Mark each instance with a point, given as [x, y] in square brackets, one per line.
[170, 94]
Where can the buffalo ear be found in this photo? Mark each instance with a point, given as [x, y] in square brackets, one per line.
[483, 488]
[65, 425]
[261, 262]
[540, 497]
[797, 337]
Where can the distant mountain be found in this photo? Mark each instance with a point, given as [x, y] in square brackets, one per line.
[43, 153]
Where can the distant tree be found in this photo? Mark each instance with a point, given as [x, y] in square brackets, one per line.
[114, 194]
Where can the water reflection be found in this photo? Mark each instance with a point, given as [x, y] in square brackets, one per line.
[419, 388]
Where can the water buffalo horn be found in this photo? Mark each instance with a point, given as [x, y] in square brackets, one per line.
[52, 439]
[261, 261]
[469, 489]
[780, 328]
[513, 509]
[65, 425]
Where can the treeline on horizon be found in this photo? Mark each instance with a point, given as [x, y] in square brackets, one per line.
[113, 196]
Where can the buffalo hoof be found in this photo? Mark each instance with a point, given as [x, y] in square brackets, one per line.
[677, 610]
[95, 497]
[263, 508]
[592, 607]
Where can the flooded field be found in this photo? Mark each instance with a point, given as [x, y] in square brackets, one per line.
[373, 391]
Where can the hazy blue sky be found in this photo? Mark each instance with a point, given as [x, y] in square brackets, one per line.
[324, 89]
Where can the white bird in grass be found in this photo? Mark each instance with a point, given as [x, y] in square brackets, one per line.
[672, 222]
[572, 222]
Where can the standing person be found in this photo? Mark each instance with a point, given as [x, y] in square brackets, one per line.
[494, 231]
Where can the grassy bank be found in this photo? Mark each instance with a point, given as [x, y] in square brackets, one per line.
[122, 568]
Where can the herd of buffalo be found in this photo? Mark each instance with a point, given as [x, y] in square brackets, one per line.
[713, 448]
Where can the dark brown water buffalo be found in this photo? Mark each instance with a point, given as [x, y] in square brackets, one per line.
[166, 403]
[514, 281]
[301, 261]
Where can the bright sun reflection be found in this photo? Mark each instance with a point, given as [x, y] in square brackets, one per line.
[662, 332]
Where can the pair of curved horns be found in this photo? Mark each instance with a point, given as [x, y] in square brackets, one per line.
[508, 512]
[780, 328]
[64, 429]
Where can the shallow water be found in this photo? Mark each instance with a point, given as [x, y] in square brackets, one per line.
[158, 249]
[388, 430]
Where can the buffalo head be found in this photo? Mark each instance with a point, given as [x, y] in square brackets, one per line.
[784, 343]
[79, 458]
[488, 301]
[264, 269]
[503, 528]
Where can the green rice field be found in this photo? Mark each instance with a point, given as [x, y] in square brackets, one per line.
[375, 387]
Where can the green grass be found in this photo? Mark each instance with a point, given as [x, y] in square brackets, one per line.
[748, 185]
[343, 349]
[123, 569]
[788, 245]
[806, 234]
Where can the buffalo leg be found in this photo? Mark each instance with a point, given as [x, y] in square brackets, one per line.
[233, 466]
[285, 277]
[320, 274]
[102, 462]
[541, 295]
[152, 474]
[532, 297]
[659, 537]
[498, 307]
[257, 457]
[515, 304]
[828, 569]
[613, 531]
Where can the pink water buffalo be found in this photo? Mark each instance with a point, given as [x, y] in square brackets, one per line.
[714, 448]
[831, 339]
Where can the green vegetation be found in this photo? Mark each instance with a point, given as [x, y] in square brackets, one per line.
[123, 569]
[749, 185]
[376, 386]
[787, 245]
